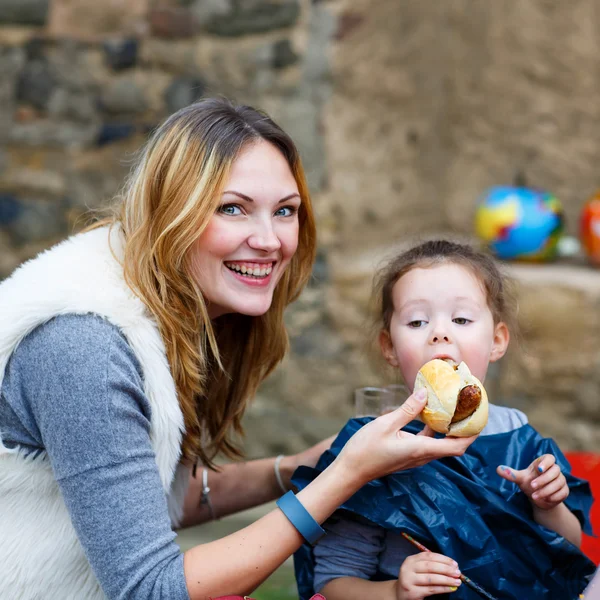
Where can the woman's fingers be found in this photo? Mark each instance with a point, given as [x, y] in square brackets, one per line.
[427, 431]
[411, 408]
[448, 446]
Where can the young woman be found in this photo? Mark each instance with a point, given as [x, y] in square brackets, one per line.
[128, 355]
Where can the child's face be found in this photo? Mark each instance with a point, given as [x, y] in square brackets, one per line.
[442, 312]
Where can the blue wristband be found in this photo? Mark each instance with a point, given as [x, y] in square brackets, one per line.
[300, 518]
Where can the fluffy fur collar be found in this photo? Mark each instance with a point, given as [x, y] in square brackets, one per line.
[81, 275]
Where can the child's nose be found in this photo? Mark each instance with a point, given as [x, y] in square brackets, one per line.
[438, 338]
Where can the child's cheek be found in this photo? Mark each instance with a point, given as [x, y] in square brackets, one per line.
[409, 365]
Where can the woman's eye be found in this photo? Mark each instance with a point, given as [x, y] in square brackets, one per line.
[230, 209]
[286, 211]
[416, 324]
[461, 321]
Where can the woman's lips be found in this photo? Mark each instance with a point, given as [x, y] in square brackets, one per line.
[251, 274]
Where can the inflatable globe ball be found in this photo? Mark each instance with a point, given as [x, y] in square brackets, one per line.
[520, 223]
[590, 228]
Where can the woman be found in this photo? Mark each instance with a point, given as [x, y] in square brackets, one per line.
[128, 353]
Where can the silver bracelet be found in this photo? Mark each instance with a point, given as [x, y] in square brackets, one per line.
[278, 474]
[205, 498]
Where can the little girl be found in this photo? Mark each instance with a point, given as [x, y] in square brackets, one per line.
[508, 510]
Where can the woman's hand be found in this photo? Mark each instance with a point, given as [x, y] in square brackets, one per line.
[426, 574]
[380, 447]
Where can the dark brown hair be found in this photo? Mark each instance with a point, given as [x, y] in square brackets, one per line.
[497, 286]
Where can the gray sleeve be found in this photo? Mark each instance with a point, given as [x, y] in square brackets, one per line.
[351, 548]
[502, 419]
[76, 387]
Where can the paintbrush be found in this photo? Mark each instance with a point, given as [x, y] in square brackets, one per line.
[463, 578]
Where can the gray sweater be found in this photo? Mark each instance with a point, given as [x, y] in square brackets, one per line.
[73, 389]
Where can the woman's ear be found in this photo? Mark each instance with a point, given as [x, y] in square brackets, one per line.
[387, 348]
[500, 343]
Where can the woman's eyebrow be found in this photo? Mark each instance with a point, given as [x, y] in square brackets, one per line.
[249, 199]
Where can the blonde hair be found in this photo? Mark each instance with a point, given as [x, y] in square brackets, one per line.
[165, 206]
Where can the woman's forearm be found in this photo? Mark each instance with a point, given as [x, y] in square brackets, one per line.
[235, 487]
[240, 562]
[354, 588]
[561, 520]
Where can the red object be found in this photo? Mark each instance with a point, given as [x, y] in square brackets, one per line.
[589, 228]
[586, 465]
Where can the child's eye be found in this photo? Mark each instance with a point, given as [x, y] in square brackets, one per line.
[286, 211]
[416, 324]
[230, 209]
[461, 321]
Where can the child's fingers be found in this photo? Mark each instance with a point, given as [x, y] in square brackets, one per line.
[431, 562]
[427, 579]
[559, 496]
[549, 490]
[552, 488]
[543, 480]
[543, 463]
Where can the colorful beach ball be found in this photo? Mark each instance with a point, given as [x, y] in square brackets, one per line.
[520, 223]
[590, 228]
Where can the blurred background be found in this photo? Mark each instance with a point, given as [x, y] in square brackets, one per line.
[405, 112]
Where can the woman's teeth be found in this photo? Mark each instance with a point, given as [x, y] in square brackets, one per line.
[250, 270]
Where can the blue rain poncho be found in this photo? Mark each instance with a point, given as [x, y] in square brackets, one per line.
[460, 507]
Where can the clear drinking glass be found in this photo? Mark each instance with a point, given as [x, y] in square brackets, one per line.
[369, 401]
[400, 393]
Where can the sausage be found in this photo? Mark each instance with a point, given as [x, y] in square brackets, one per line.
[468, 401]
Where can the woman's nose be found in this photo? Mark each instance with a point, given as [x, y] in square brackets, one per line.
[264, 238]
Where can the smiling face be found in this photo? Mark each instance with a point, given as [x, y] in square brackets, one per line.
[442, 312]
[243, 252]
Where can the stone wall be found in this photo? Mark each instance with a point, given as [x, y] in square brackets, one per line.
[403, 112]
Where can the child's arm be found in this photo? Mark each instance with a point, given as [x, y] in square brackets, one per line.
[421, 575]
[546, 487]
[561, 520]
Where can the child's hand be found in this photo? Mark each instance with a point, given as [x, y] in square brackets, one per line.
[426, 574]
[542, 481]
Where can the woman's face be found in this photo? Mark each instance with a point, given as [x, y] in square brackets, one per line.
[242, 254]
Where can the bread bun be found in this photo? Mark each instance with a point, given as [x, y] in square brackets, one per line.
[457, 403]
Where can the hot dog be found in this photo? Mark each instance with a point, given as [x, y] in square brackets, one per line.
[457, 403]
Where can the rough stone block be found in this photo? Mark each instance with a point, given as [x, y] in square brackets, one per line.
[283, 54]
[23, 12]
[172, 22]
[90, 19]
[183, 91]
[254, 16]
[121, 54]
[114, 132]
[35, 84]
[123, 95]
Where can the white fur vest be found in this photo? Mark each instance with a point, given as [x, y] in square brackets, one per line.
[40, 555]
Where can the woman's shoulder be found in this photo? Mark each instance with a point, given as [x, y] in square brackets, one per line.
[73, 338]
[69, 347]
[503, 418]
